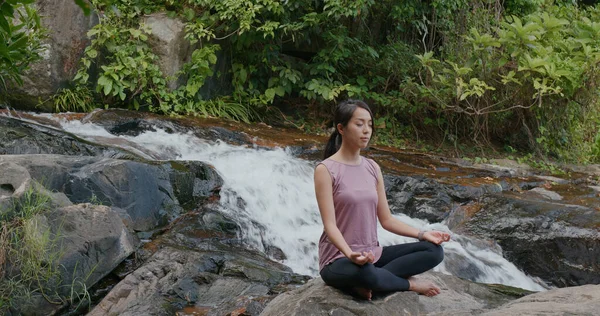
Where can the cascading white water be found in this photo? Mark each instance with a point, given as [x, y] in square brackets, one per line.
[279, 208]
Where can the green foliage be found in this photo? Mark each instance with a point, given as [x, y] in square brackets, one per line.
[541, 165]
[78, 99]
[20, 39]
[129, 75]
[128, 68]
[534, 72]
[519, 72]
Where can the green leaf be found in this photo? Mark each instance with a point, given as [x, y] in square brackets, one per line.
[270, 93]
[4, 24]
[107, 87]
[4, 50]
[92, 53]
[103, 80]
[361, 80]
[18, 44]
[280, 91]
[7, 10]
[84, 5]
[243, 75]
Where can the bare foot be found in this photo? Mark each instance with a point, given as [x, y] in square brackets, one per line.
[424, 287]
[363, 293]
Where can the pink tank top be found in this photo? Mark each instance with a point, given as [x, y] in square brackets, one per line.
[355, 203]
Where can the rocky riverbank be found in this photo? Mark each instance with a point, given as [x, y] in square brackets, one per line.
[112, 201]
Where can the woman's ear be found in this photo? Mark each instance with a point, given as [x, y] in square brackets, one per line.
[340, 128]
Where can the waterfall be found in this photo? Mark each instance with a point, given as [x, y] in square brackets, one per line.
[271, 195]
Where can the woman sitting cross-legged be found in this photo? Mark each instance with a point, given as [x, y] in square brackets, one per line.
[351, 198]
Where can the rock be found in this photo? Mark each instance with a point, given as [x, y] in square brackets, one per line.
[168, 43]
[143, 190]
[85, 243]
[147, 193]
[509, 166]
[580, 300]
[20, 137]
[67, 29]
[14, 181]
[547, 194]
[193, 182]
[552, 179]
[200, 266]
[17, 187]
[556, 242]
[131, 123]
[94, 240]
[429, 199]
[458, 297]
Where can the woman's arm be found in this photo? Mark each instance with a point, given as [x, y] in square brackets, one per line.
[392, 224]
[324, 193]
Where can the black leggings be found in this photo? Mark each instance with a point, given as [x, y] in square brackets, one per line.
[389, 273]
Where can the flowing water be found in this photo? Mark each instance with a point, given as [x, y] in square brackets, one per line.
[270, 193]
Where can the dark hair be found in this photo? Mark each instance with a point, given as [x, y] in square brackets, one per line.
[343, 114]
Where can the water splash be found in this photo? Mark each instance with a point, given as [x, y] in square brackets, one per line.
[271, 195]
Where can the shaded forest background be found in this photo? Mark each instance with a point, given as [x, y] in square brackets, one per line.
[516, 76]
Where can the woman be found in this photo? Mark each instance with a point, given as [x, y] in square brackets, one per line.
[351, 197]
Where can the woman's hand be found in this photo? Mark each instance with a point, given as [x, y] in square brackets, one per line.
[362, 258]
[436, 237]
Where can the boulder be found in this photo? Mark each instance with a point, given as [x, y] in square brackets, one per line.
[14, 181]
[579, 300]
[93, 239]
[86, 242]
[200, 266]
[168, 42]
[194, 182]
[429, 199]
[147, 193]
[458, 297]
[17, 187]
[557, 242]
[67, 38]
[143, 190]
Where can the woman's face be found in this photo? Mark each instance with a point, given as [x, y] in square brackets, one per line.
[357, 132]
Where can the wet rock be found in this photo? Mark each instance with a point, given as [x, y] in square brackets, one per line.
[200, 265]
[19, 138]
[547, 194]
[194, 182]
[557, 242]
[458, 297]
[130, 123]
[143, 190]
[67, 28]
[147, 193]
[429, 199]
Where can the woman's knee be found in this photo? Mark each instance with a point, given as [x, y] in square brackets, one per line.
[368, 276]
[436, 252]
